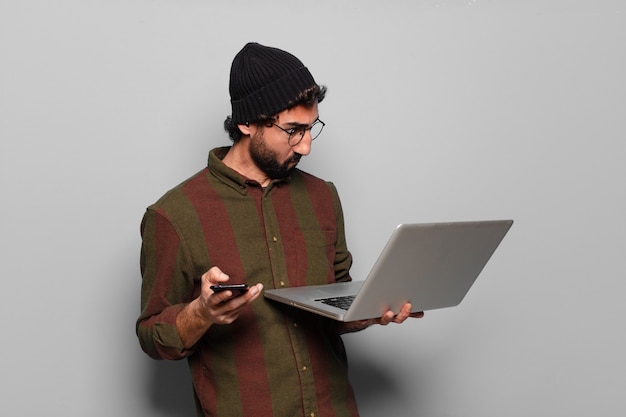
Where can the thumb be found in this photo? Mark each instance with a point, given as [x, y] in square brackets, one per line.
[215, 276]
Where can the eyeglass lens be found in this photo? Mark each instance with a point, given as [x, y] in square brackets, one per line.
[298, 134]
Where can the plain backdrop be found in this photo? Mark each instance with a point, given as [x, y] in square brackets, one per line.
[437, 110]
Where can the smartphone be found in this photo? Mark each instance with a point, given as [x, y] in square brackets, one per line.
[237, 289]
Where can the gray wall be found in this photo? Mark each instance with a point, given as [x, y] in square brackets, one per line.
[437, 110]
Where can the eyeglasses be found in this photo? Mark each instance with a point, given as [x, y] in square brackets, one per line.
[297, 133]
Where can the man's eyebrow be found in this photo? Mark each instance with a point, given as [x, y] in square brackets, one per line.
[298, 124]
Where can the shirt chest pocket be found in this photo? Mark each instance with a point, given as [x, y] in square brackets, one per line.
[315, 256]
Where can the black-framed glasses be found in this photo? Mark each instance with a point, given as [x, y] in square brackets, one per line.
[297, 133]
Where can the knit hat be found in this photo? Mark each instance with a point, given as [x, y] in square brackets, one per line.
[265, 81]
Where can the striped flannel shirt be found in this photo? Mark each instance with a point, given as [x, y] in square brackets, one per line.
[273, 360]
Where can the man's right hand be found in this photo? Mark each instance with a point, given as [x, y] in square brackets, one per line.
[222, 307]
[212, 307]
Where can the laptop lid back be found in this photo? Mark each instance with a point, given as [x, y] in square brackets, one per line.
[430, 265]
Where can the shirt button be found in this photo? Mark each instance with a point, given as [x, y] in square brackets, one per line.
[282, 283]
[274, 238]
[295, 325]
[312, 414]
[304, 368]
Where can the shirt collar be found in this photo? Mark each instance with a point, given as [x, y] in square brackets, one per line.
[228, 175]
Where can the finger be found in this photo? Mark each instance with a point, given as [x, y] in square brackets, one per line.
[221, 297]
[229, 310]
[226, 311]
[254, 291]
[212, 277]
[216, 276]
[403, 314]
[387, 318]
[400, 319]
[239, 300]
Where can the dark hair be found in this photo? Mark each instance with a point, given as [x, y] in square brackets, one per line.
[306, 98]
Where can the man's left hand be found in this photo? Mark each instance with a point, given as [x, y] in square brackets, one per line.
[388, 317]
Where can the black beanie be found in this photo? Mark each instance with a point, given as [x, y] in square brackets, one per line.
[265, 81]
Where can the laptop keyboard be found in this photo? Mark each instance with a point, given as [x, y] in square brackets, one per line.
[339, 302]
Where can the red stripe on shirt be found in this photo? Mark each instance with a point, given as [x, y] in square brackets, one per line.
[255, 398]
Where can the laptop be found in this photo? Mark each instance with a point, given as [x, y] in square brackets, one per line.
[431, 265]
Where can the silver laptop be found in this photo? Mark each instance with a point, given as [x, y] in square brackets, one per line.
[429, 265]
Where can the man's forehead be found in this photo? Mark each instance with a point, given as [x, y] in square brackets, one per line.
[299, 115]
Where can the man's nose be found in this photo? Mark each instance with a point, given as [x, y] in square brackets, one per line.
[304, 147]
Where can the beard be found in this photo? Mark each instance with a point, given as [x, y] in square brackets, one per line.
[267, 160]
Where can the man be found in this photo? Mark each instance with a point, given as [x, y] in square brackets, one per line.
[252, 217]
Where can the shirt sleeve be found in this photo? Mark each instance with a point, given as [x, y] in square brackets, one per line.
[167, 287]
[343, 257]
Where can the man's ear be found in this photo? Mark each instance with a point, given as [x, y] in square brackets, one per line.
[245, 129]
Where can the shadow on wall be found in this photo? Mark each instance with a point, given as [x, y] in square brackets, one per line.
[169, 389]
[378, 391]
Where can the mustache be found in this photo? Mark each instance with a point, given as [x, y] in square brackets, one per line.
[295, 158]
